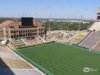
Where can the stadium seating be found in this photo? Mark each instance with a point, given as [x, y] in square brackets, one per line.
[97, 47]
[79, 37]
[12, 64]
[17, 43]
[91, 40]
[95, 26]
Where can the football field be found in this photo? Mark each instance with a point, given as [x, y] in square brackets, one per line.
[61, 59]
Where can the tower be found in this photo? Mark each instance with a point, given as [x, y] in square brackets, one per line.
[98, 14]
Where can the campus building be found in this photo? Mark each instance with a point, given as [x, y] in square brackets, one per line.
[27, 27]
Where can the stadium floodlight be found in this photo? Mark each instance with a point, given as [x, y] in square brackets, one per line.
[80, 24]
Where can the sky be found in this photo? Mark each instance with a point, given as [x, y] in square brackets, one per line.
[50, 8]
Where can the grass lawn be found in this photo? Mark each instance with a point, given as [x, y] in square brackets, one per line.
[62, 59]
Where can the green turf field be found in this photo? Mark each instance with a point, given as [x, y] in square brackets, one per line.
[62, 59]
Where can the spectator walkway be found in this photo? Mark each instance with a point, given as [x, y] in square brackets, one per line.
[12, 64]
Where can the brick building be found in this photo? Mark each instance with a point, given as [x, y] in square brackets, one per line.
[15, 30]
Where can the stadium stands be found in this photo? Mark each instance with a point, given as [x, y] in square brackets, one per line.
[97, 47]
[95, 26]
[37, 40]
[79, 37]
[12, 64]
[91, 40]
[16, 44]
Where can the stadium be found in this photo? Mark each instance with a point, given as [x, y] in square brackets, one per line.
[39, 52]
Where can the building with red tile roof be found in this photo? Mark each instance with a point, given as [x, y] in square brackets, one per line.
[14, 30]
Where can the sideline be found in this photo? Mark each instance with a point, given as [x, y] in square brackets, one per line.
[35, 64]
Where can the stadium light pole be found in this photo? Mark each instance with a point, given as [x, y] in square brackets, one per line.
[61, 26]
[68, 26]
[80, 23]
